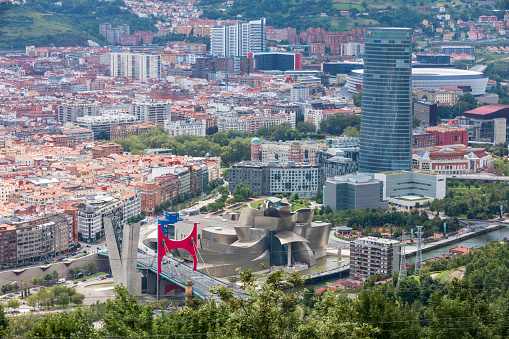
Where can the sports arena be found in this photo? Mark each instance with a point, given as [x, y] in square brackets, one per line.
[432, 78]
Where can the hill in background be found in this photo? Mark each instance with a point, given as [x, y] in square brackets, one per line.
[310, 13]
[42, 23]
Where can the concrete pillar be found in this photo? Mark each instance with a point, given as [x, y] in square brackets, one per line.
[151, 283]
[289, 254]
[189, 291]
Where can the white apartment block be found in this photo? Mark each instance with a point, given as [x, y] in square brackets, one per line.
[313, 116]
[352, 48]
[90, 219]
[137, 66]
[238, 39]
[70, 111]
[151, 110]
[103, 122]
[132, 205]
[193, 127]
[299, 94]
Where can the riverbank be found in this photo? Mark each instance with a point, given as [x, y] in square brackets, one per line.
[412, 250]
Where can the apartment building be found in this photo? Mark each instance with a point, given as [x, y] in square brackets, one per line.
[137, 66]
[8, 243]
[296, 151]
[124, 131]
[192, 127]
[370, 256]
[103, 122]
[76, 133]
[106, 149]
[42, 237]
[153, 111]
[92, 213]
[238, 39]
[71, 110]
[276, 178]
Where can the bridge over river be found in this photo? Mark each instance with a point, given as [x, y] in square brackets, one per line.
[178, 273]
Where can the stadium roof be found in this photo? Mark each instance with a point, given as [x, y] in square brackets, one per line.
[489, 112]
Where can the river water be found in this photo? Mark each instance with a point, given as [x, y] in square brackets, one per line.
[475, 242]
[329, 262]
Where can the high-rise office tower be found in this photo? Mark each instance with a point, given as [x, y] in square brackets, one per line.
[137, 66]
[386, 118]
[238, 39]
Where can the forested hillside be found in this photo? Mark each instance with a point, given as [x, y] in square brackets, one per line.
[42, 23]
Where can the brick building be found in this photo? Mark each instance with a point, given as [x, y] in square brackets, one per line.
[169, 187]
[8, 243]
[150, 193]
[106, 149]
[448, 135]
[123, 131]
[423, 140]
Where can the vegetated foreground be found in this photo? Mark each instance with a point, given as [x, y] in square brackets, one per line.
[474, 307]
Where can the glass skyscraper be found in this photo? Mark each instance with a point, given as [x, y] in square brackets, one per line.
[386, 119]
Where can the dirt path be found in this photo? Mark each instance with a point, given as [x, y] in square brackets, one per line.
[301, 316]
[456, 274]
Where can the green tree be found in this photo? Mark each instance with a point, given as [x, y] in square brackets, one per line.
[54, 275]
[242, 192]
[77, 298]
[262, 314]
[63, 299]
[352, 132]
[306, 127]
[73, 325]
[4, 324]
[23, 323]
[24, 285]
[409, 290]
[416, 122]
[357, 99]
[102, 135]
[126, 317]
[13, 304]
[333, 317]
[32, 300]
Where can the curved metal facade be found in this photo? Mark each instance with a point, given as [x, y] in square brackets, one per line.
[386, 119]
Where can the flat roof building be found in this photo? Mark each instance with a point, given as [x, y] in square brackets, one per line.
[371, 256]
[356, 192]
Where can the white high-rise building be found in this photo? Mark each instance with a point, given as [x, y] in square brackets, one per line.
[238, 39]
[151, 110]
[137, 66]
[352, 48]
[299, 94]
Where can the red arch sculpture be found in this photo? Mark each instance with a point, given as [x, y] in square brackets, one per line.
[164, 245]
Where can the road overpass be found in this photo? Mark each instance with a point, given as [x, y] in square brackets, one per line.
[179, 273]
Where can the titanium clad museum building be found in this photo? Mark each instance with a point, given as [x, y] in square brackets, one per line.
[386, 118]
